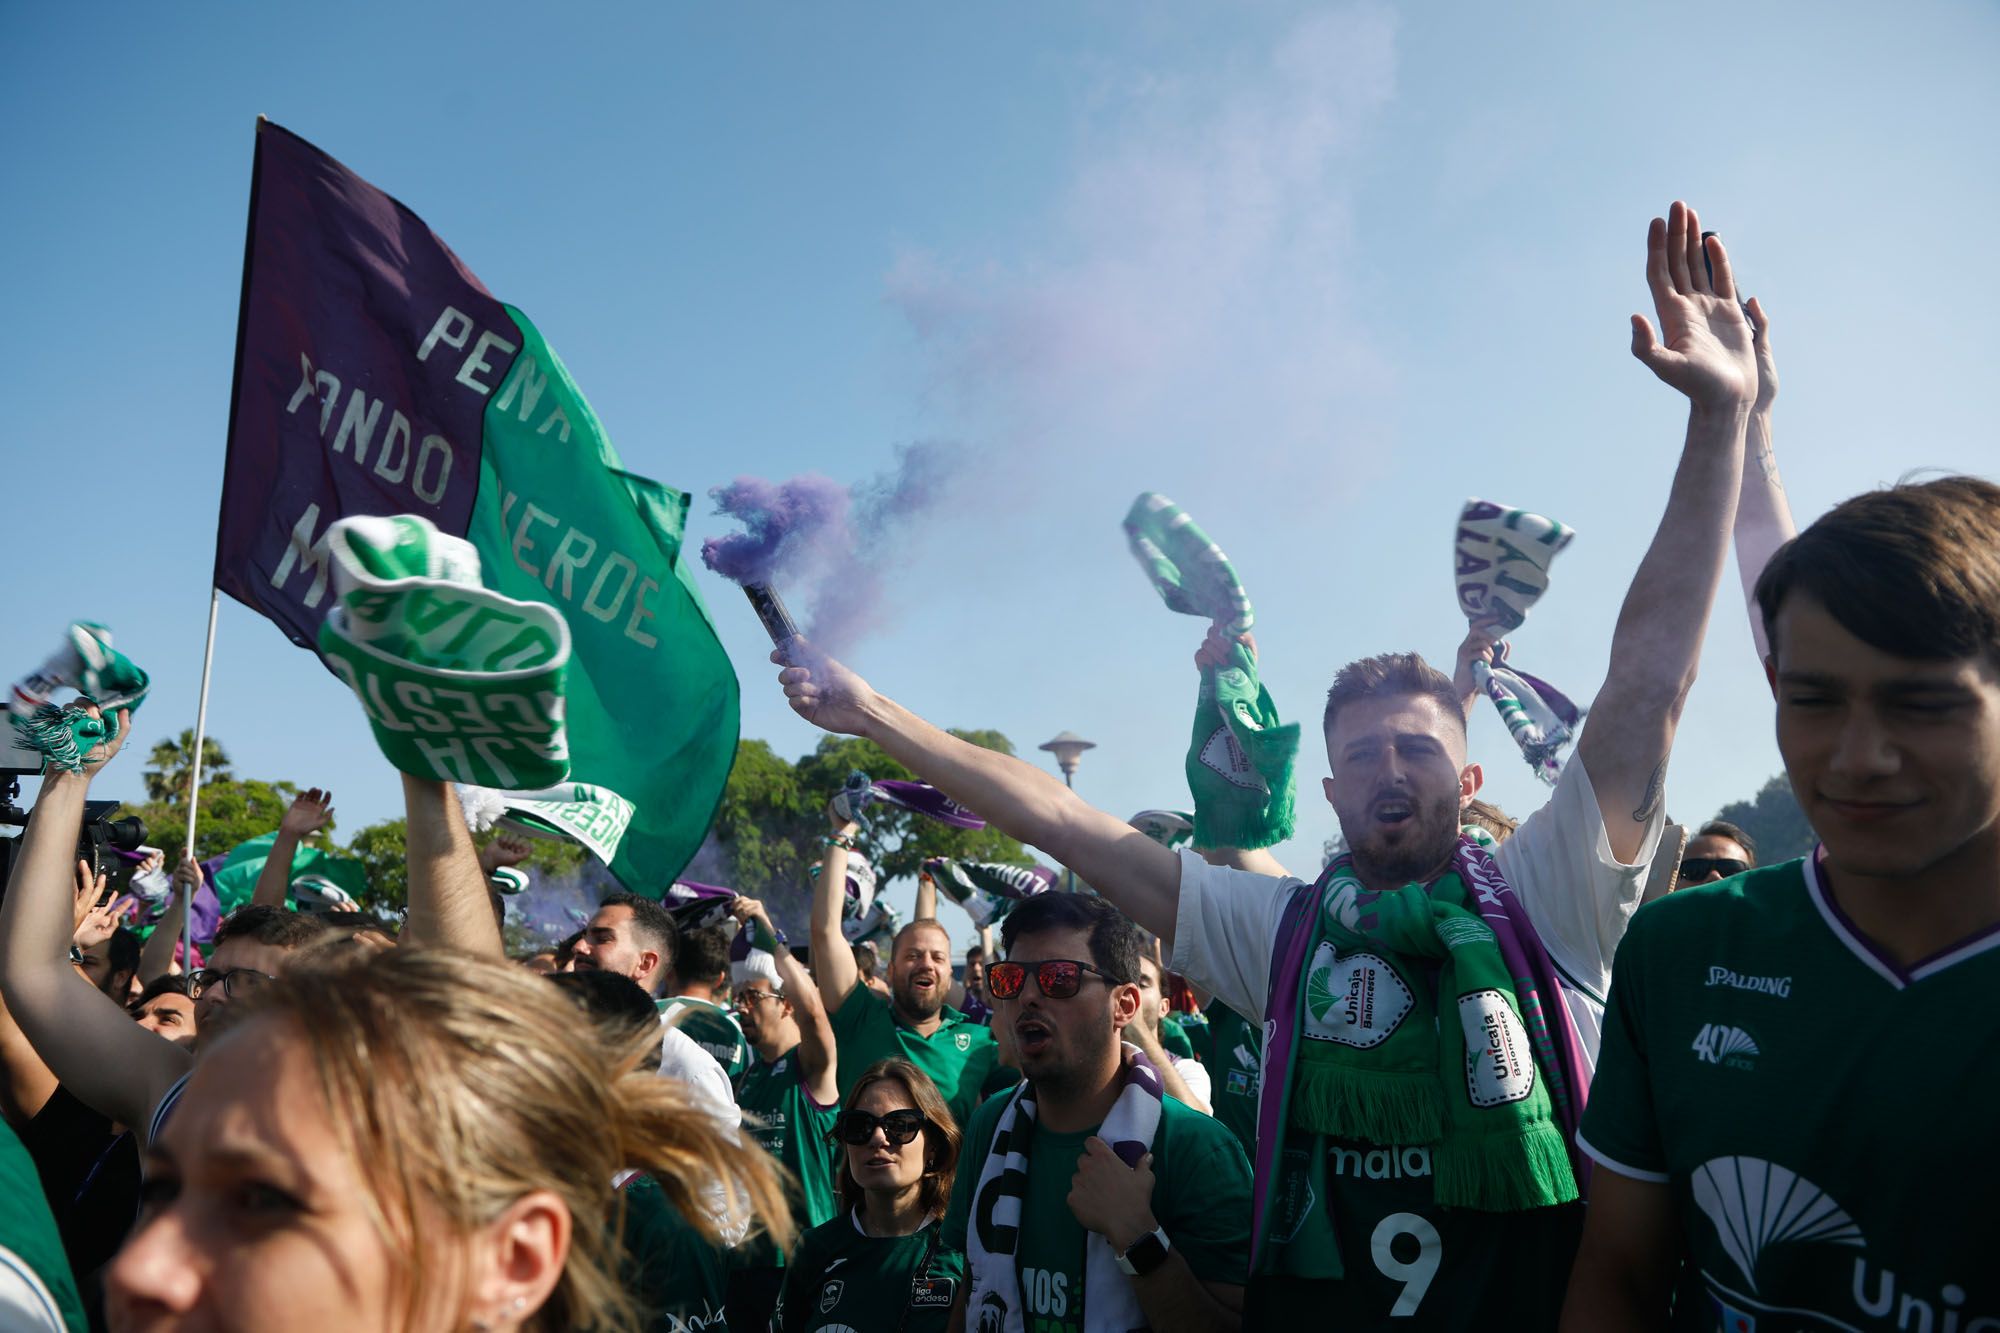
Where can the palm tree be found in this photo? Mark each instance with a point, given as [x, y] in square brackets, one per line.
[168, 766]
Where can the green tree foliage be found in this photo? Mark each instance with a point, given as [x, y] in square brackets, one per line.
[772, 817]
[233, 810]
[1774, 819]
[166, 774]
[382, 851]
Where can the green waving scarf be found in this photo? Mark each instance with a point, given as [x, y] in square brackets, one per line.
[1413, 1035]
[459, 683]
[100, 674]
[1240, 760]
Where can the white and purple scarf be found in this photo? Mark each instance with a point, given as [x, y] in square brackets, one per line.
[993, 1233]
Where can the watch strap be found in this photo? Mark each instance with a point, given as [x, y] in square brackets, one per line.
[1145, 1254]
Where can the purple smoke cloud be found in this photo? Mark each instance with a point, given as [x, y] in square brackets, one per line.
[812, 535]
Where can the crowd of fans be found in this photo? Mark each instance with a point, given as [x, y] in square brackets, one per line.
[1201, 1095]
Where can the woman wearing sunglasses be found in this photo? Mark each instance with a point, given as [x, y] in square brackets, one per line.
[881, 1264]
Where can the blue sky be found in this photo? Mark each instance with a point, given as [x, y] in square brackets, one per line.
[1317, 272]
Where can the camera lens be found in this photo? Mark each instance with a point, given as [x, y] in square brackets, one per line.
[125, 834]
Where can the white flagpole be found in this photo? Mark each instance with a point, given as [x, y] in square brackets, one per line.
[194, 776]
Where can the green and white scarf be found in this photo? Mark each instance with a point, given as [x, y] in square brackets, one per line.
[1240, 760]
[459, 683]
[87, 663]
[1381, 1062]
[594, 818]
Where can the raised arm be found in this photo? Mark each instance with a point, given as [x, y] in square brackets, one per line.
[833, 961]
[1704, 351]
[1214, 651]
[87, 1040]
[156, 959]
[450, 905]
[817, 1067]
[1137, 874]
[926, 908]
[311, 810]
[1763, 513]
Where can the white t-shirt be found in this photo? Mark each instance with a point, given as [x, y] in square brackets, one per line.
[1578, 895]
[687, 1063]
[1195, 1075]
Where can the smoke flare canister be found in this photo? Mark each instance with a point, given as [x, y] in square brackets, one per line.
[770, 609]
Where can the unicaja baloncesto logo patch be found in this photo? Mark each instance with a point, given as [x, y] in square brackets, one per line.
[1357, 1000]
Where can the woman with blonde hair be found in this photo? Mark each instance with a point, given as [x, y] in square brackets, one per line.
[882, 1264]
[418, 1140]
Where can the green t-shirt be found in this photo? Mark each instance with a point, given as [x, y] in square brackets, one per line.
[1201, 1196]
[1821, 1114]
[714, 1029]
[680, 1279]
[29, 1240]
[1235, 1062]
[844, 1281]
[795, 1130]
[1174, 1038]
[1195, 1024]
[959, 1056]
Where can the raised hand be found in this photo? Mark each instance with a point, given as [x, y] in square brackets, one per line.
[1215, 647]
[311, 811]
[1767, 364]
[503, 851]
[119, 725]
[100, 923]
[821, 690]
[1704, 345]
[154, 860]
[90, 887]
[187, 876]
[1480, 644]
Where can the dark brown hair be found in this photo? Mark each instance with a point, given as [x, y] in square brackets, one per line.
[1912, 570]
[1389, 674]
[941, 1136]
[1722, 828]
[262, 923]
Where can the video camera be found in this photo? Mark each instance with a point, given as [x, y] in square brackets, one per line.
[99, 833]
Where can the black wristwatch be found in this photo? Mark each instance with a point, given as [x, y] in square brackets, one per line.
[1145, 1254]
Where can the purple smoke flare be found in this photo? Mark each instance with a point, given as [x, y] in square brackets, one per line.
[832, 540]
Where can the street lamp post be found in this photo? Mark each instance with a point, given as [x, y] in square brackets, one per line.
[1068, 749]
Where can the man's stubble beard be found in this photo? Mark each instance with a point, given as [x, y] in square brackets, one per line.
[1420, 857]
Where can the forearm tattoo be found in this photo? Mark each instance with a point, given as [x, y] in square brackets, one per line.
[1649, 804]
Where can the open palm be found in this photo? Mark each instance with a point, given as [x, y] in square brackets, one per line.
[1704, 347]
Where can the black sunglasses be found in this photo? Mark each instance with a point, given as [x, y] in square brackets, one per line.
[1699, 867]
[236, 981]
[1059, 978]
[899, 1127]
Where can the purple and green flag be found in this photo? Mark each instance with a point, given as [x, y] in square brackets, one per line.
[375, 375]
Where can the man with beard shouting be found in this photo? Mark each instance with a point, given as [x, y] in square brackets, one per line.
[914, 1023]
[1432, 1006]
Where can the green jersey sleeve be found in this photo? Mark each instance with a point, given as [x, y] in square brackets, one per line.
[1204, 1202]
[978, 1141]
[1621, 1129]
[1174, 1038]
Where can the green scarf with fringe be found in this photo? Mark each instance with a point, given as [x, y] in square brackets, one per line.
[1381, 1063]
[1241, 758]
[100, 674]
